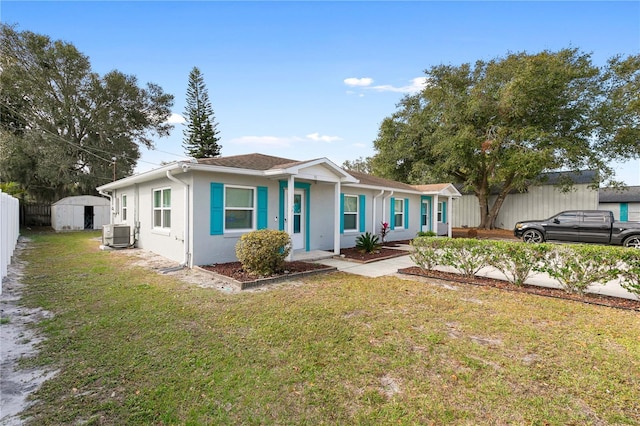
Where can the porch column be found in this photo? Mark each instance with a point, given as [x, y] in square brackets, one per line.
[434, 214]
[449, 216]
[336, 219]
[289, 213]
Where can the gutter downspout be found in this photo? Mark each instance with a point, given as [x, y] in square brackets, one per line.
[384, 206]
[373, 225]
[186, 241]
[106, 194]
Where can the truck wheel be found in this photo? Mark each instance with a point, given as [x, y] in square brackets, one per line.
[633, 241]
[532, 236]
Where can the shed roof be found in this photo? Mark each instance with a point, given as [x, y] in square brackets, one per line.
[628, 194]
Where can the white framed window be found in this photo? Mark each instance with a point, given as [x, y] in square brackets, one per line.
[440, 211]
[239, 208]
[123, 203]
[162, 208]
[351, 207]
[398, 213]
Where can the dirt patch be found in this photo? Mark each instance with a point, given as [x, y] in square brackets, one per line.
[237, 272]
[487, 234]
[383, 253]
[18, 341]
[596, 299]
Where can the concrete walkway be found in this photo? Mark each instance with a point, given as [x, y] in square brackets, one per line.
[391, 266]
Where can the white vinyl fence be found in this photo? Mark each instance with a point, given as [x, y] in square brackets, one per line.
[9, 231]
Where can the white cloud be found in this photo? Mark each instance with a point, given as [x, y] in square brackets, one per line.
[360, 145]
[417, 84]
[323, 138]
[358, 82]
[176, 119]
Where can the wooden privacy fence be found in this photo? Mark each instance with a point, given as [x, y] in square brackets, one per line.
[9, 231]
[35, 214]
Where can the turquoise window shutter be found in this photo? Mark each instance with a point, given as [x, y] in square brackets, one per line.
[406, 213]
[216, 224]
[362, 211]
[342, 213]
[263, 202]
[392, 214]
[444, 212]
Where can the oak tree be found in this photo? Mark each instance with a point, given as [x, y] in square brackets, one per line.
[62, 125]
[496, 126]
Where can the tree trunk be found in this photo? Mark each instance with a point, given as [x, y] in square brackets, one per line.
[483, 201]
[489, 221]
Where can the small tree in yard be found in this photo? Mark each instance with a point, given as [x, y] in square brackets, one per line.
[200, 135]
[263, 252]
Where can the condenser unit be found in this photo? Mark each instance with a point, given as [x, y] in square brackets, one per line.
[116, 235]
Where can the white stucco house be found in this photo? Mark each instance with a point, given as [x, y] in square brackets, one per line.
[195, 212]
[80, 212]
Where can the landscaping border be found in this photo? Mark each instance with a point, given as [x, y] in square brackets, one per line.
[259, 282]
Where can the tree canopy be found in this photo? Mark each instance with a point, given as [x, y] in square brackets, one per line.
[498, 125]
[201, 133]
[62, 126]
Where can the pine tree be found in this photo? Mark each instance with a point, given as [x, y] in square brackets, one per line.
[200, 134]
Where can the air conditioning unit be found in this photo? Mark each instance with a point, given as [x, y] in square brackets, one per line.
[116, 235]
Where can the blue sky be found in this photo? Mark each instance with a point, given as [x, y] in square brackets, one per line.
[315, 79]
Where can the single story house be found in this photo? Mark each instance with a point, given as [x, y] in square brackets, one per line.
[80, 212]
[624, 202]
[195, 212]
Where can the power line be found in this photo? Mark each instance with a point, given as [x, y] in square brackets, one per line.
[85, 149]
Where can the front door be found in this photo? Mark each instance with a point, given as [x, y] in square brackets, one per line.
[298, 237]
[424, 216]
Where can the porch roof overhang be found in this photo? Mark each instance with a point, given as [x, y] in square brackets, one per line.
[439, 189]
[320, 170]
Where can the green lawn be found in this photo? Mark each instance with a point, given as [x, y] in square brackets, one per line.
[136, 347]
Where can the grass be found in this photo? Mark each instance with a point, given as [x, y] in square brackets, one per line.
[136, 347]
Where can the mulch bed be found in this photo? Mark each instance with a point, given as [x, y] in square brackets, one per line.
[382, 253]
[234, 270]
[595, 299]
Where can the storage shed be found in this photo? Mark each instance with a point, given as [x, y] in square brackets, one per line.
[79, 213]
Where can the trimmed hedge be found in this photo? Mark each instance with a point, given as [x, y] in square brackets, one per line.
[576, 266]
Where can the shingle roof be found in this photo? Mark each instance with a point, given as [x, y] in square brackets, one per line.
[434, 187]
[629, 194]
[582, 177]
[249, 161]
[370, 180]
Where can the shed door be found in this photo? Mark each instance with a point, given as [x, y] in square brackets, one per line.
[88, 217]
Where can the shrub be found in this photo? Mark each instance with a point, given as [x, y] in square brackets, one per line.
[630, 271]
[263, 252]
[427, 252]
[578, 266]
[426, 234]
[367, 242]
[516, 260]
[468, 256]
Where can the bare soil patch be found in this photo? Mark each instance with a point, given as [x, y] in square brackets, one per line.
[237, 272]
[490, 234]
[595, 299]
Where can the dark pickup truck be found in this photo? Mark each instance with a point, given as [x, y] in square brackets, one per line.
[586, 226]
